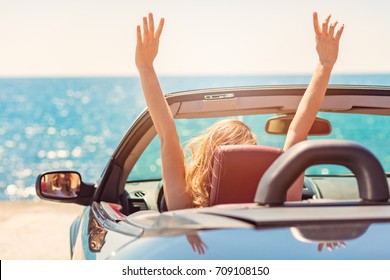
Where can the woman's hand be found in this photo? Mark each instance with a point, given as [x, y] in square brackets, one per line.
[196, 243]
[331, 245]
[147, 44]
[327, 40]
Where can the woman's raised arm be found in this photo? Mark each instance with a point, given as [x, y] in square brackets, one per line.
[172, 157]
[327, 46]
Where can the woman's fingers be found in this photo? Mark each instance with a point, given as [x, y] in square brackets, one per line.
[139, 36]
[159, 28]
[332, 28]
[151, 24]
[317, 28]
[326, 29]
[146, 29]
[339, 33]
[325, 25]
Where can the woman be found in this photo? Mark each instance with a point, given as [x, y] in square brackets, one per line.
[186, 186]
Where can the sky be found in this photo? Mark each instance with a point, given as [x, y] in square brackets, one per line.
[46, 38]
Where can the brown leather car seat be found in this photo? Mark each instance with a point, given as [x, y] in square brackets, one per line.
[237, 170]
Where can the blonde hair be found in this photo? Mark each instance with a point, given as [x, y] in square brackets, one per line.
[198, 169]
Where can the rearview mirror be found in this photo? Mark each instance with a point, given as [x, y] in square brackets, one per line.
[59, 185]
[280, 124]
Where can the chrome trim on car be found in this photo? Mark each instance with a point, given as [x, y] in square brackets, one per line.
[105, 221]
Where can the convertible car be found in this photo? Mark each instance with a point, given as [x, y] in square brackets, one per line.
[344, 212]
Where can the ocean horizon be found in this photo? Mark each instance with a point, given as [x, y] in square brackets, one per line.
[52, 123]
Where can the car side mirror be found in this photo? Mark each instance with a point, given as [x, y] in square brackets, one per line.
[59, 185]
[280, 124]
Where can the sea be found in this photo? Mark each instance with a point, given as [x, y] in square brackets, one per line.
[77, 122]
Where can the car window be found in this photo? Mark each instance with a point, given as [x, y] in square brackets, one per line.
[149, 164]
[369, 130]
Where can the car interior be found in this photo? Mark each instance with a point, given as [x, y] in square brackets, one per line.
[276, 110]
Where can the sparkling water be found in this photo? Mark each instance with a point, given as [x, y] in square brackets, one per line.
[76, 123]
